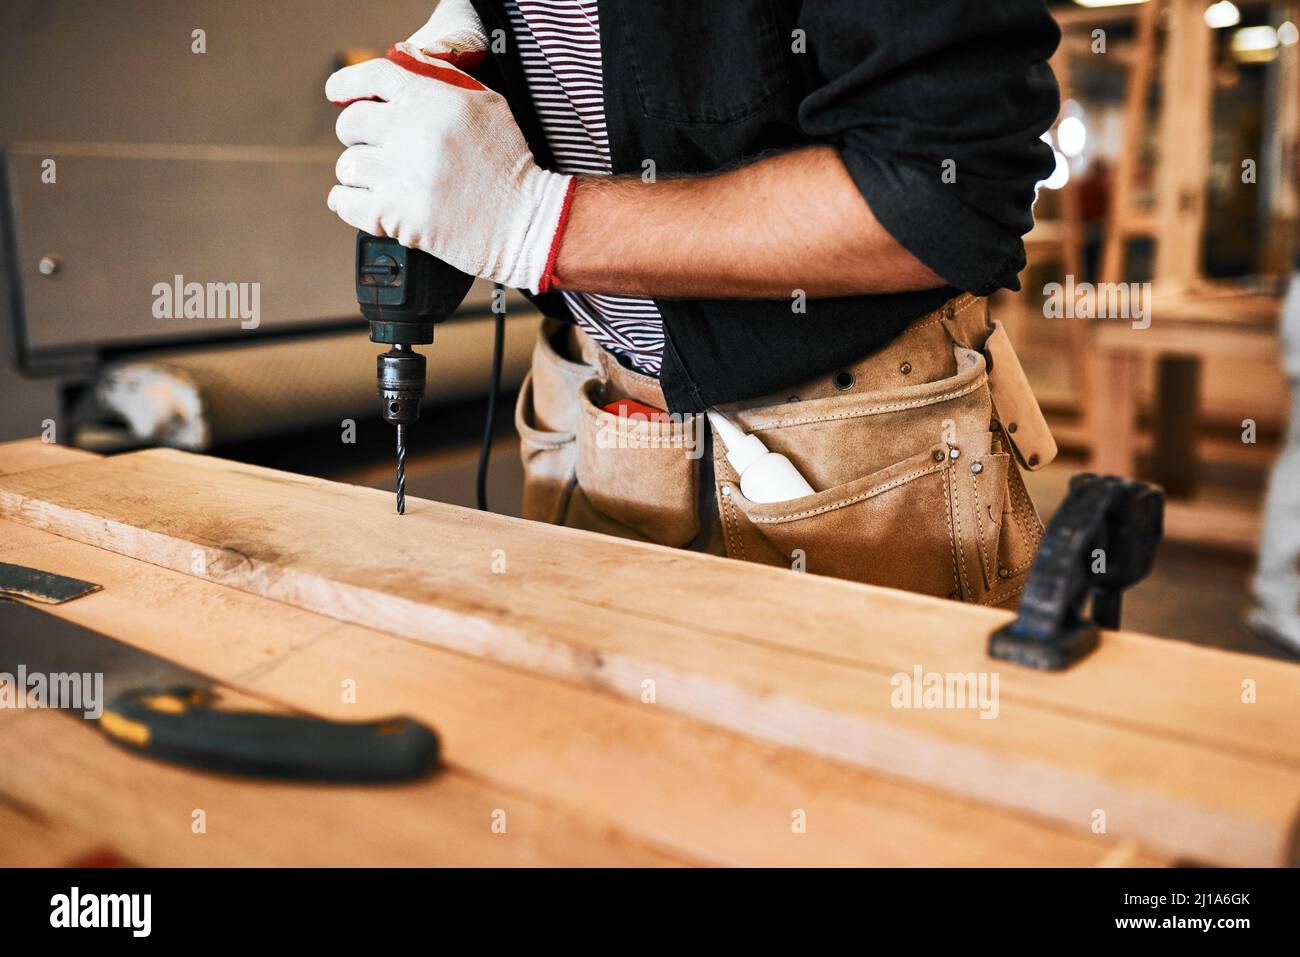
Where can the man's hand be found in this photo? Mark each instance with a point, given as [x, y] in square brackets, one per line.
[435, 160]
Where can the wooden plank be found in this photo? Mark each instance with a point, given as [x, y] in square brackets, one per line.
[1121, 212]
[32, 840]
[1071, 229]
[1210, 449]
[21, 536]
[1204, 340]
[145, 808]
[1185, 142]
[1113, 415]
[25, 455]
[902, 629]
[1209, 302]
[1213, 524]
[1176, 421]
[659, 776]
[1166, 757]
[148, 809]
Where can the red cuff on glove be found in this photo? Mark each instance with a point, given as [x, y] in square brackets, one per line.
[454, 77]
[467, 60]
[548, 276]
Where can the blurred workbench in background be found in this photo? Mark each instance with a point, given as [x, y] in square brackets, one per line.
[1192, 328]
[618, 703]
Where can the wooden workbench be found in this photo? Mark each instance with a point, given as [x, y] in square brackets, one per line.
[611, 702]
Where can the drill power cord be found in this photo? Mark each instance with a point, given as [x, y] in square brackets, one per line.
[489, 425]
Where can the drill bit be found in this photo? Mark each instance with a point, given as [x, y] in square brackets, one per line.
[401, 469]
[401, 386]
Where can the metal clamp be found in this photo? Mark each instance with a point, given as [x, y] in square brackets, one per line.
[1101, 541]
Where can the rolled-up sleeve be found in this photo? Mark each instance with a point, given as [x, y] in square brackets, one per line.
[916, 89]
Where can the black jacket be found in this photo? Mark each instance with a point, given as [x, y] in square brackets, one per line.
[899, 87]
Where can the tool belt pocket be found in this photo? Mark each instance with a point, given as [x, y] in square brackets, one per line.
[916, 490]
[995, 533]
[549, 459]
[545, 418]
[637, 476]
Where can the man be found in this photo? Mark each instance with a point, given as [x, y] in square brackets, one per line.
[1276, 615]
[806, 200]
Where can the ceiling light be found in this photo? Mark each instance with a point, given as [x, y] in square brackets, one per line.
[1072, 136]
[1222, 14]
[1252, 39]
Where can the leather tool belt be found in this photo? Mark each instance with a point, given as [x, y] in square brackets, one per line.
[916, 451]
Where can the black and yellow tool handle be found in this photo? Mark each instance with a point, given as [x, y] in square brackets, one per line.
[180, 726]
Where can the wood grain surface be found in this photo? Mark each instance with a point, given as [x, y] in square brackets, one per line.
[674, 783]
[1154, 734]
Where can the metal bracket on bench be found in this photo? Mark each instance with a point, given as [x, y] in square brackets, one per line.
[1101, 541]
[19, 581]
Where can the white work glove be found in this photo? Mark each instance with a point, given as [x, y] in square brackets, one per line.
[454, 33]
[436, 161]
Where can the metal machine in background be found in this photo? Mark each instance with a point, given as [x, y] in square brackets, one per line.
[118, 202]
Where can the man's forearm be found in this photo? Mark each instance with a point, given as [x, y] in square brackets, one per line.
[794, 221]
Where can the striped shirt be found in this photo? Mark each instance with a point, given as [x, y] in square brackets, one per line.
[559, 44]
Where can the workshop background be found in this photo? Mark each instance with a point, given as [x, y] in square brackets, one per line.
[195, 142]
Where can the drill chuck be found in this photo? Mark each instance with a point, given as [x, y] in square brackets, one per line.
[400, 374]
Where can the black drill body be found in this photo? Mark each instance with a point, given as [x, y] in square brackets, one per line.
[403, 293]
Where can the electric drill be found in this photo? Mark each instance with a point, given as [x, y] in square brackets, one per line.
[403, 293]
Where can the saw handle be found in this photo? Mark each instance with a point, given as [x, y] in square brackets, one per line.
[181, 726]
